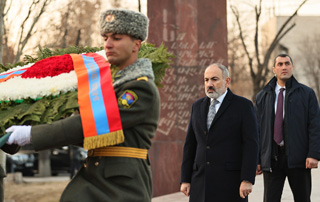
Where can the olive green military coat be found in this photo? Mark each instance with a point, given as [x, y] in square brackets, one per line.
[112, 179]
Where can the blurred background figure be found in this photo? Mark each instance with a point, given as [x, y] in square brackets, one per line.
[2, 173]
[75, 159]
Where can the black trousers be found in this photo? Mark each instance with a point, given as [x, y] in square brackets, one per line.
[299, 181]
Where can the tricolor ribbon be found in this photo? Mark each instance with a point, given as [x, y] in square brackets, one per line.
[9, 75]
[98, 105]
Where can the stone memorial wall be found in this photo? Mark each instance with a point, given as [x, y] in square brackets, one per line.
[195, 32]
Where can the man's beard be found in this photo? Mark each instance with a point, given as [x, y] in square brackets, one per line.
[216, 92]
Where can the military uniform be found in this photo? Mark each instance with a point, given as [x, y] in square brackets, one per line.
[10, 149]
[111, 178]
[2, 174]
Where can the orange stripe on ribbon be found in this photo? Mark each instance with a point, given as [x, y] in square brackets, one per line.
[83, 90]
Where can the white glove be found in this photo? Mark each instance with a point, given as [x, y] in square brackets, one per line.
[20, 135]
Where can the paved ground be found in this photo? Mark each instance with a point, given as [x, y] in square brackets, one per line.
[256, 195]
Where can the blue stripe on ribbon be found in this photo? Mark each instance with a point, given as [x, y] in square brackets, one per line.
[96, 98]
[15, 72]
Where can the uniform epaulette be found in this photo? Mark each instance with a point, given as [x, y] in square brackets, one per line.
[144, 78]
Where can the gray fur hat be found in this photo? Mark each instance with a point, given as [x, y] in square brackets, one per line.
[124, 22]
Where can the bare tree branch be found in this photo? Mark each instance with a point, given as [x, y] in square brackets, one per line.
[260, 73]
[268, 54]
[256, 43]
[139, 5]
[2, 14]
[77, 24]
[277, 37]
[23, 41]
[8, 7]
[311, 61]
[236, 14]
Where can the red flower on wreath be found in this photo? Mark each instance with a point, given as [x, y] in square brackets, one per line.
[52, 66]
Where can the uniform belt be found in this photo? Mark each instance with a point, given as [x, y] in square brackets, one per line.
[130, 152]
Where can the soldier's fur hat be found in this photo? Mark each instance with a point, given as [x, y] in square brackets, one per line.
[124, 22]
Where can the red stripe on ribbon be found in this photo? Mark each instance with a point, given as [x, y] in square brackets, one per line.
[108, 93]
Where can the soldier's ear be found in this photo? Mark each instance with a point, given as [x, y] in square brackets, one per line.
[137, 45]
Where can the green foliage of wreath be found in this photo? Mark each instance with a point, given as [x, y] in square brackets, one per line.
[52, 108]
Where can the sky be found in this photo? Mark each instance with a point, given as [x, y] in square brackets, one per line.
[286, 7]
[280, 7]
[271, 8]
[127, 4]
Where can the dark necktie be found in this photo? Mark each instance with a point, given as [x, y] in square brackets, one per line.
[278, 122]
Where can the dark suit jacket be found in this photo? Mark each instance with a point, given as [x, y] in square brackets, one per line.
[216, 161]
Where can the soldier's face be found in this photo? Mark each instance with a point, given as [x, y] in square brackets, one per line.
[121, 49]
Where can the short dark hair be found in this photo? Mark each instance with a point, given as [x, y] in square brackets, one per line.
[282, 55]
[134, 38]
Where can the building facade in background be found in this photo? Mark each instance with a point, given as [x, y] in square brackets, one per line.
[302, 43]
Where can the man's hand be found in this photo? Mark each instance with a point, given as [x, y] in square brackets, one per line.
[185, 188]
[245, 189]
[258, 171]
[311, 163]
[20, 135]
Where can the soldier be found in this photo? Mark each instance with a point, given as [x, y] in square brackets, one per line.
[121, 172]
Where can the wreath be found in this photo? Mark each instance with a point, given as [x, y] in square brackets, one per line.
[44, 89]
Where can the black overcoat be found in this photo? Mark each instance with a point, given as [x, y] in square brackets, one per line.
[216, 161]
[301, 123]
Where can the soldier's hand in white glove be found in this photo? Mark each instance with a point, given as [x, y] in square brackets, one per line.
[20, 135]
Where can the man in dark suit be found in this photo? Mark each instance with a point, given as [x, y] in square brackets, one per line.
[220, 156]
[289, 125]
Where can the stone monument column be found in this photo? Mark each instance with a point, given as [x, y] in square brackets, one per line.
[195, 32]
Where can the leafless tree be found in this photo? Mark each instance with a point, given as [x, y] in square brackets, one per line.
[35, 10]
[2, 6]
[77, 26]
[26, 32]
[258, 62]
[240, 80]
[311, 61]
[139, 5]
[6, 52]
[3, 13]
